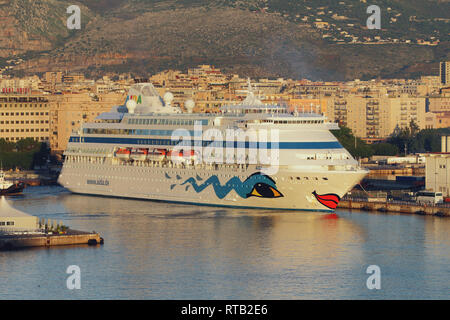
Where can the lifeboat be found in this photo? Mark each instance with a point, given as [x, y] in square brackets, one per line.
[182, 155]
[139, 154]
[123, 153]
[175, 156]
[157, 154]
[190, 155]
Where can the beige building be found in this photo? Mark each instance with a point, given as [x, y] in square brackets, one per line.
[69, 111]
[439, 104]
[24, 116]
[377, 116]
[429, 85]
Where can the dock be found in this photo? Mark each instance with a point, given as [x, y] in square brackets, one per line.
[70, 237]
[395, 206]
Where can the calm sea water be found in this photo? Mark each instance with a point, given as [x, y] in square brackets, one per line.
[155, 250]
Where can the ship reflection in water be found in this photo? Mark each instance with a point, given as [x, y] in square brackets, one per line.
[156, 250]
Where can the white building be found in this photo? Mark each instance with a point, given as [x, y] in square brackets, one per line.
[437, 169]
[13, 220]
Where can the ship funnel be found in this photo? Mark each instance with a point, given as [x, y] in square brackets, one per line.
[146, 98]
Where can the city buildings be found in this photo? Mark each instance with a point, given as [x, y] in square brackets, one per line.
[373, 109]
[50, 118]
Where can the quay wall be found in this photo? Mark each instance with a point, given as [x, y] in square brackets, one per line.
[395, 207]
[45, 240]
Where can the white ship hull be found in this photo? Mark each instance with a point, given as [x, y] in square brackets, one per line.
[249, 155]
[169, 184]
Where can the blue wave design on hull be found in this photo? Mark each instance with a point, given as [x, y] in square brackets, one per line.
[242, 188]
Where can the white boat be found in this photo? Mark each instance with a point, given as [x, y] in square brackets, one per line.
[299, 164]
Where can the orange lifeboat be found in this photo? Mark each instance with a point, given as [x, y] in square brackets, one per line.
[157, 154]
[123, 153]
[182, 155]
[139, 154]
[189, 155]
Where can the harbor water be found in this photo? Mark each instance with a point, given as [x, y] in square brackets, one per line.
[156, 250]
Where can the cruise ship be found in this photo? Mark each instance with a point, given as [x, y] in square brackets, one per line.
[248, 155]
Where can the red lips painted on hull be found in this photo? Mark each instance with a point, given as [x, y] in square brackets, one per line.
[329, 200]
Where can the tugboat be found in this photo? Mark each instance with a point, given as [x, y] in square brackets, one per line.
[9, 187]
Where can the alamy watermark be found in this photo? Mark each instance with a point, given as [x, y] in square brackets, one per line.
[374, 281]
[74, 280]
[74, 21]
[374, 21]
[234, 146]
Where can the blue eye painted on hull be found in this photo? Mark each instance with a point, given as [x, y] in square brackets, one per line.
[256, 185]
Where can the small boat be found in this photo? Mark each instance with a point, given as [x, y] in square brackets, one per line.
[9, 187]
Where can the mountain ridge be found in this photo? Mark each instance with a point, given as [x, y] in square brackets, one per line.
[248, 37]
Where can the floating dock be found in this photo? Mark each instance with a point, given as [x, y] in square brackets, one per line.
[410, 208]
[71, 237]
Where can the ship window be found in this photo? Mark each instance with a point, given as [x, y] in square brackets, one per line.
[324, 178]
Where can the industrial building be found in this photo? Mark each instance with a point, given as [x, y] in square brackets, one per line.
[437, 169]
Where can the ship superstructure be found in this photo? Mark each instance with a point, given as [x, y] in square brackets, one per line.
[248, 155]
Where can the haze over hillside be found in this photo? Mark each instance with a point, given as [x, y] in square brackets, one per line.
[320, 39]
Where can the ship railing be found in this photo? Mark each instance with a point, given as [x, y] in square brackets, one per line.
[181, 165]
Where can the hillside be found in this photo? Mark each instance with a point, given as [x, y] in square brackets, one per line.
[253, 37]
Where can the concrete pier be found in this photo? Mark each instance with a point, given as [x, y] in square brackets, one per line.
[71, 237]
[395, 207]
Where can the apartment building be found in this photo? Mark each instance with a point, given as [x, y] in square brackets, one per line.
[69, 111]
[24, 116]
[376, 116]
